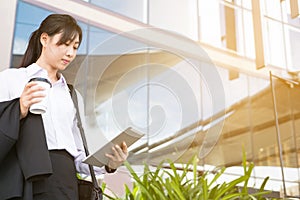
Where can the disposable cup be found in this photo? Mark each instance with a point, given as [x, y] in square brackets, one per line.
[41, 107]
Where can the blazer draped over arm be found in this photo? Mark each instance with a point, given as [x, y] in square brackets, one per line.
[24, 156]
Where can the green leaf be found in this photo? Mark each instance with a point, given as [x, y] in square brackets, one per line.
[163, 184]
[262, 187]
[230, 186]
[204, 188]
[216, 177]
[139, 182]
[158, 192]
[195, 171]
[177, 190]
[128, 194]
[231, 196]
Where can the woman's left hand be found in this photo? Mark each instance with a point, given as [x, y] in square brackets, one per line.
[120, 154]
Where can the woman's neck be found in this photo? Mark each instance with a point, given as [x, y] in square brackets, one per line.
[53, 77]
[52, 73]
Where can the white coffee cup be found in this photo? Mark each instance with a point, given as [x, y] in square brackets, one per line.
[41, 107]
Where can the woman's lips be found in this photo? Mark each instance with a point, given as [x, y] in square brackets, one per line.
[65, 61]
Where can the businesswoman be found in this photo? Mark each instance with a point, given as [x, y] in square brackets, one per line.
[40, 154]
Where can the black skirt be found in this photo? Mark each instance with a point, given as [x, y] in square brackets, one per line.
[62, 184]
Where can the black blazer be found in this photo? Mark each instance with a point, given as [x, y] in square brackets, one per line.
[24, 155]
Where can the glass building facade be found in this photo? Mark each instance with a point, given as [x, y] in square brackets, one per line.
[210, 78]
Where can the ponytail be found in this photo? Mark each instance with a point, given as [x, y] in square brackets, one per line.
[53, 24]
[33, 51]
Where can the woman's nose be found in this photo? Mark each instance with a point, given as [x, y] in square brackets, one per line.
[70, 52]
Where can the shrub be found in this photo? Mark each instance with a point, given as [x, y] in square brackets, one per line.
[174, 184]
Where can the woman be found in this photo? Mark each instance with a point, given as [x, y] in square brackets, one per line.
[40, 154]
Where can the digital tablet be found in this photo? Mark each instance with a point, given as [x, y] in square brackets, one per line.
[99, 159]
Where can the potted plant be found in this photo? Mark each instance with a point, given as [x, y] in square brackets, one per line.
[174, 184]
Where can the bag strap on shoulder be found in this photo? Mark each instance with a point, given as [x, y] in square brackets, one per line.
[79, 124]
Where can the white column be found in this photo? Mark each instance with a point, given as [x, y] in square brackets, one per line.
[7, 19]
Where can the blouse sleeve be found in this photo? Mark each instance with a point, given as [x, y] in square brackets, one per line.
[4, 94]
[9, 117]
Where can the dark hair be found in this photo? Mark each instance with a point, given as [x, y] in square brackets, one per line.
[52, 25]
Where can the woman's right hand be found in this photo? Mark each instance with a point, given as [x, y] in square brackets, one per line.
[32, 93]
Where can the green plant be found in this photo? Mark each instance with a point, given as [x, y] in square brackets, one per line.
[174, 184]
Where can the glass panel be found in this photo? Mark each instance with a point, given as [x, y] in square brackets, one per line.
[174, 109]
[135, 9]
[250, 125]
[285, 95]
[272, 9]
[96, 36]
[103, 42]
[244, 33]
[239, 123]
[179, 17]
[292, 41]
[213, 26]
[275, 47]
[113, 82]
[247, 4]
[28, 19]
[287, 15]
[249, 34]
[210, 21]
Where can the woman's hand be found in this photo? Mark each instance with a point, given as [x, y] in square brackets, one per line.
[31, 94]
[120, 154]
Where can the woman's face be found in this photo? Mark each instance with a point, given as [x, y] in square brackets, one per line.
[58, 57]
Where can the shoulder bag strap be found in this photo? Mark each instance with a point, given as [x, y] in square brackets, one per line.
[75, 101]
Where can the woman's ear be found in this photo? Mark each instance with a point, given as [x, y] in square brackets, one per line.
[44, 38]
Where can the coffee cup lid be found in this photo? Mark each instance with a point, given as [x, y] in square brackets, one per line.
[40, 79]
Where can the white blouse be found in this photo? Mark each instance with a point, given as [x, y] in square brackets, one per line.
[59, 120]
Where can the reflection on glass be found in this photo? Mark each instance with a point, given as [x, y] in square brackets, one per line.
[276, 50]
[134, 9]
[180, 17]
[125, 82]
[28, 19]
